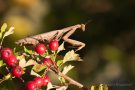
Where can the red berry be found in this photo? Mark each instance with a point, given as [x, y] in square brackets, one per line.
[31, 85]
[47, 61]
[53, 45]
[11, 61]
[38, 81]
[6, 53]
[17, 71]
[46, 80]
[40, 48]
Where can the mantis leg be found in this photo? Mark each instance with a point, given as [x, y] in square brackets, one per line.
[66, 38]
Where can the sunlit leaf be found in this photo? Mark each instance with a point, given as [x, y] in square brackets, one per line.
[34, 73]
[3, 28]
[62, 88]
[6, 77]
[67, 69]
[9, 32]
[71, 56]
[22, 61]
[49, 86]
[101, 87]
[30, 62]
[92, 87]
[61, 48]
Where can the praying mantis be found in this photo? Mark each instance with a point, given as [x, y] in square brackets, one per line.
[64, 33]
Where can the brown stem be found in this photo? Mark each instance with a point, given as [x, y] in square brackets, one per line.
[71, 80]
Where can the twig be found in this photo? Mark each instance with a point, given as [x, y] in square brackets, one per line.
[71, 80]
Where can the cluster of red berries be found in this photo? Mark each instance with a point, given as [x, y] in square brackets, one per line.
[37, 83]
[17, 70]
[11, 61]
[41, 48]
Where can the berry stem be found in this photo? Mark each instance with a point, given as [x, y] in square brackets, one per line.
[7, 69]
[1, 41]
[21, 79]
[54, 55]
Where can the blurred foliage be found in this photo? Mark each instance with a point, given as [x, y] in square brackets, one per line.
[109, 55]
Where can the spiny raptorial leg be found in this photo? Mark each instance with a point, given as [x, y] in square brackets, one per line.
[79, 44]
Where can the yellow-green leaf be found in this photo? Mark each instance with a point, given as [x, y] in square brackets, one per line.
[1, 63]
[3, 28]
[67, 69]
[59, 62]
[92, 87]
[27, 51]
[71, 56]
[62, 80]
[101, 87]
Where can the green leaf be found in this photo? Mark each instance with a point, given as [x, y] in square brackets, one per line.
[1, 63]
[0, 35]
[59, 62]
[62, 80]
[27, 51]
[71, 56]
[3, 29]
[67, 69]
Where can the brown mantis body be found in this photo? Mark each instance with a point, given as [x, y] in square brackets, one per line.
[55, 34]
